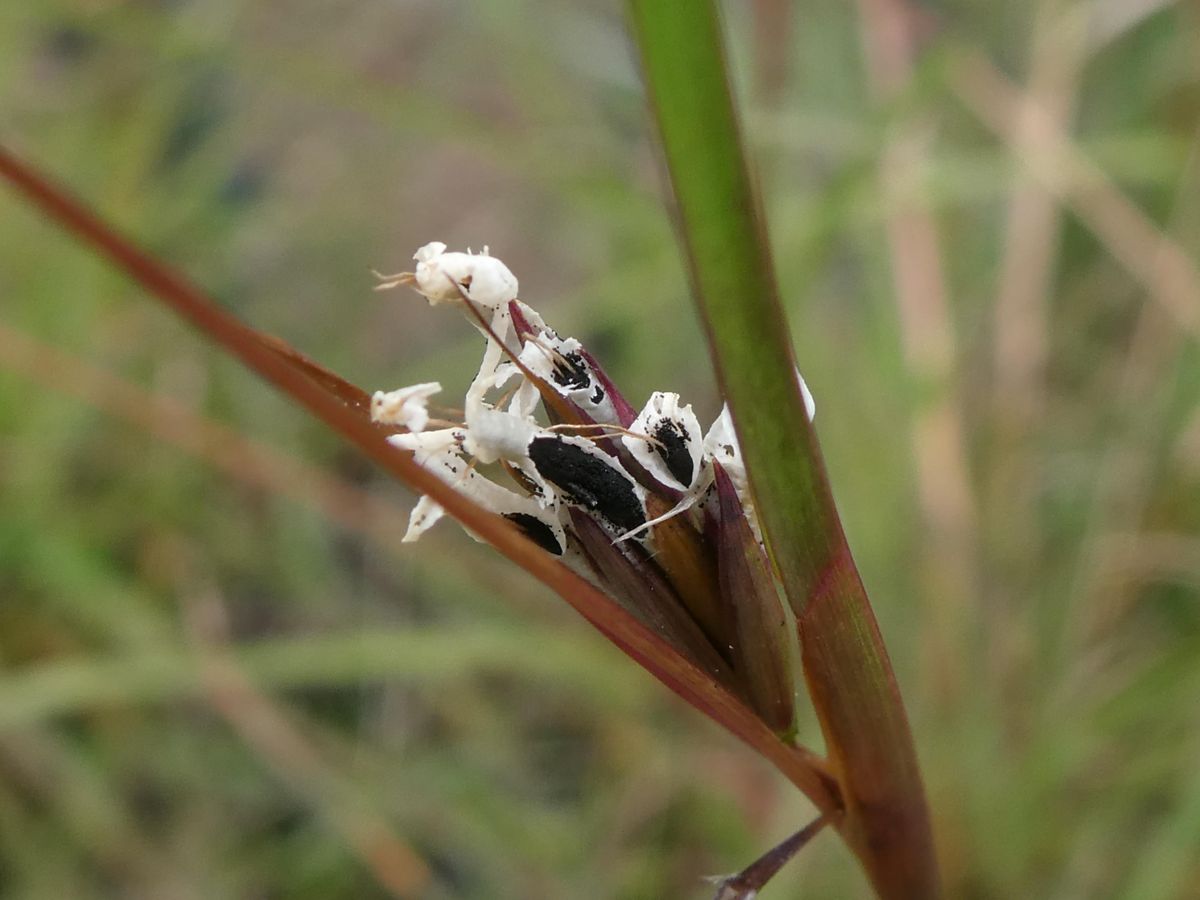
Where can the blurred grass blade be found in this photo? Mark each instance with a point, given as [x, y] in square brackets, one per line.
[282, 368]
[846, 666]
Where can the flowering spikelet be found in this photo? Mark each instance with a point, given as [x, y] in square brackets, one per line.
[646, 505]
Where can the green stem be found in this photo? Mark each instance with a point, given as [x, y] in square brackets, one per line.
[886, 821]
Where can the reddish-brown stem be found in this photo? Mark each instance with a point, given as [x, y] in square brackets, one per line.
[747, 883]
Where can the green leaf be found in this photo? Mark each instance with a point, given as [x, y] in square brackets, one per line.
[854, 692]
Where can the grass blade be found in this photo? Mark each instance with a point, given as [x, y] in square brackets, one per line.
[846, 665]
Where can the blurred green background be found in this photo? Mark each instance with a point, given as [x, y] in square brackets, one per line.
[222, 676]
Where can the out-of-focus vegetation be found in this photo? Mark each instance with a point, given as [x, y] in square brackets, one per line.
[222, 675]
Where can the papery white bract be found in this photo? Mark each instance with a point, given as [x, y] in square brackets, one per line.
[665, 440]
[561, 364]
[493, 357]
[721, 444]
[674, 451]
[485, 279]
[404, 406]
[810, 405]
[442, 453]
[493, 435]
[526, 396]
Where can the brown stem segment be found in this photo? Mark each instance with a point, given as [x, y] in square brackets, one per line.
[855, 695]
[747, 883]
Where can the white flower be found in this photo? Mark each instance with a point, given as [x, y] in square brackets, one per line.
[405, 406]
[494, 435]
[424, 516]
[665, 439]
[525, 398]
[560, 363]
[429, 442]
[721, 446]
[484, 279]
[674, 450]
[441, 452]
[586, 477]
[590, 472]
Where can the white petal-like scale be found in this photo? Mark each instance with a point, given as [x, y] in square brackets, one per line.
[810, 405]
[493, 356]
[493, 435]
[486, 280]
[721, 445]
[406, 406]
[451, 467]
[676, 454]
[674, 450]
[429, 442]
[559, 362]
[424, 516]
